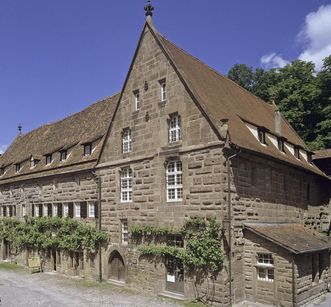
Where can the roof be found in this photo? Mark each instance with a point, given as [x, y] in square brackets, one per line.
[322, 154]
[293, 237]
[221, 98]
[70, 133]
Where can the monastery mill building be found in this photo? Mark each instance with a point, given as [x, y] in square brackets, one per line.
[180, 140]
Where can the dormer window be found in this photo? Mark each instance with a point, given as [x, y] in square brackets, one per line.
[88, 149]
[261, 135]
[309, 157]
[281, 146]
[163, 86]
[48, 159]
[33, 162]
[297, 152]
[17, 167]
[63, 155]
[136, 100]
[2, 171]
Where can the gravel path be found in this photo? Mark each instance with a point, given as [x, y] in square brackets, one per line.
[20, 288]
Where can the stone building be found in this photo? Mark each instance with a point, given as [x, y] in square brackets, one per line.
[179, 141]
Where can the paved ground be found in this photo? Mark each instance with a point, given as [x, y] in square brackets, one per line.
[20, 288]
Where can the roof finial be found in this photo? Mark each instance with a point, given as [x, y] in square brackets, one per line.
[19, 129]
[149, 9]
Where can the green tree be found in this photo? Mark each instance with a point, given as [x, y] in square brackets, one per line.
[242, 75]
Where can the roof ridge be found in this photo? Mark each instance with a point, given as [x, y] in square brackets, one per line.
[214, 70]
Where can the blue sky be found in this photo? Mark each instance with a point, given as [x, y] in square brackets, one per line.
[57, 57]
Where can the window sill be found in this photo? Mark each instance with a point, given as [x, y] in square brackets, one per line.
[175, 201]
[161, 104]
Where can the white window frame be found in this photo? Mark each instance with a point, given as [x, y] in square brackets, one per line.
[77, 210]
[87, 152]
[265, 268]
[48, 159]
[126, 140]
[8, 211]
[174, 181]
[91, 210]
[136, 100]
[45, 210]
[36, 210]
[63, 155]
[65, 210]
[163, 86]
[126, 185]
[124, 232]
[23, 210]
[175, 133]
[55, 209]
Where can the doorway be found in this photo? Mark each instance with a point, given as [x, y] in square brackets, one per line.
[174, 275]
[116, 267]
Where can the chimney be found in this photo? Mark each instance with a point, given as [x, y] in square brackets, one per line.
[278, 120]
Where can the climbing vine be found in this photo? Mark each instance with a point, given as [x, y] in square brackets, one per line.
[51, 232]
[203, 249]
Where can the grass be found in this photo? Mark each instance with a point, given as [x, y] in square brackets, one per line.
[10, 266]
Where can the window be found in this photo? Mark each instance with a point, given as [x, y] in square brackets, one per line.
[17, 167]
[91, 210]
[265, 267]
[45, 210]
[10, 211]
[309, 157]
[77, 210]
[2, 171]
[65, 210]
[48, 159]
[126, 140]
[125, 232]
[59, 210]
[175, 128]
[23, 210]
[163, 86]
[83, 210]
[63, 155]
[49, 209]
[297, 152]
[55, 209]
[175, 240]
[36, 210]
[261, 135]
[174, 181]
[136, 100]
[33, 162]
[87, 149]
[4, 211]
[126, 185]
[281, 145]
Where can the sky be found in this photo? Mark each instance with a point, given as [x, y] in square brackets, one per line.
[58, 57]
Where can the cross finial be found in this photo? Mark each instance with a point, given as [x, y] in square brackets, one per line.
[19, 128]
[149, 9]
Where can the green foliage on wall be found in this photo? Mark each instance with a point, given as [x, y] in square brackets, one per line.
[203, 244]
[51, 232]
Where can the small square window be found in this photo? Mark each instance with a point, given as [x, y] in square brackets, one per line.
[63, 155]
[48, 159]
[87, 149]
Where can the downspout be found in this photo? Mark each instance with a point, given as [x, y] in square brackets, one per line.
[97, 180]
[294, 288]
[228, 159]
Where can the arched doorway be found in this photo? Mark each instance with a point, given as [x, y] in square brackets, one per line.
[116, 267]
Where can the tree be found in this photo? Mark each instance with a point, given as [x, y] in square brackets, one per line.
[242, 75]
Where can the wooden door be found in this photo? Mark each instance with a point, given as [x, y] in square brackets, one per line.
[174, 275]
[116, 269]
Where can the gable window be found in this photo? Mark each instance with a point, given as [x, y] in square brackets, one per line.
[163, 86]
[126, 140]
[136, 100]
[63, 155]
[265, 267]
[124, 232]
[297, 152]
[261, 135]
[126, 185]
[175, 128]
[87, 149]
[174, 181]
[48, 159]
[281, 145]
[17, 167]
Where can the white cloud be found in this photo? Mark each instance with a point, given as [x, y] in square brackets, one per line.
[316, 36]
[273, 60]
[2, 148]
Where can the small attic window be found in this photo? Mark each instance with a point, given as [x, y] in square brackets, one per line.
[297, 152]
[281, 146]
[2, 171]
[63, 155]
[163, 87]
[17, 167]
[309, 158]
[48, 159]
[87, 149]
[261, 135]
[33, 162]
[136, 100]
